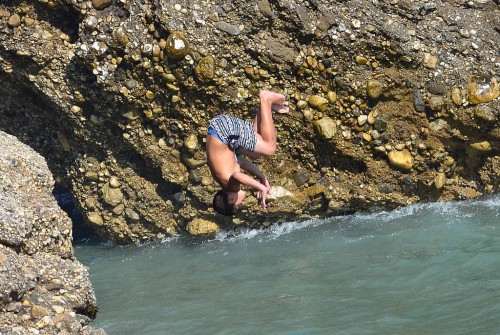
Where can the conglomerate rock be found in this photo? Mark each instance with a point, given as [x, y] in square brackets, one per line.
[43, 288]
[111, 90]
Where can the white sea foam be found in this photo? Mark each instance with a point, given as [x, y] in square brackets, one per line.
[170, 239]
[238, 235]
[272, 232]
[373, 220]
[279, 230]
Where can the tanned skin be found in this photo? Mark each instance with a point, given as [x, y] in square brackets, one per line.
[227, 171]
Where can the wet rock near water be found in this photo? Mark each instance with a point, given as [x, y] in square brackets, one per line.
[383, 96]
[202, 227]
[43, 288]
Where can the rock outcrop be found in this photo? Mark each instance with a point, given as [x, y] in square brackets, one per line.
[117, 94]
[43, 288]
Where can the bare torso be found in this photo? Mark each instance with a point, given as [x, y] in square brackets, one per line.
[222, 164]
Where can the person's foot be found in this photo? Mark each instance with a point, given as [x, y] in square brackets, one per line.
[272, 97]
[281, 109]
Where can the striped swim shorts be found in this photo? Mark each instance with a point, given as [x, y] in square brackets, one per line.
[234, 132]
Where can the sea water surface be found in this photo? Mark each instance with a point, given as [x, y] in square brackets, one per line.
[424, 269]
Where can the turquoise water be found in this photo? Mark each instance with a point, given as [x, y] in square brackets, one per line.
[424, 269]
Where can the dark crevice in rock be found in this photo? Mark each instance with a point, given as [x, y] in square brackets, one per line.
[148, 170]
[19, 62]
[34, 129]
[15, 247]
[82, 231]
[346, 163]
[339, 161]
[88, 311]
[63, 17]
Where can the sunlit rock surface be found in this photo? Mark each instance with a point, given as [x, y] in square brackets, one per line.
[43, 288]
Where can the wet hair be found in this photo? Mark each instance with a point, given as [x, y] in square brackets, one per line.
[221, 204]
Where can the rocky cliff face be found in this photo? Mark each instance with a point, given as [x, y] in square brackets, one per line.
[43, 289]
[393, 102]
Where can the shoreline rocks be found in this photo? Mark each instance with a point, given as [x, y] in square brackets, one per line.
[43, 288]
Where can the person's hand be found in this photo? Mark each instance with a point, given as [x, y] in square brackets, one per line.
[265, 182]
[262, 195]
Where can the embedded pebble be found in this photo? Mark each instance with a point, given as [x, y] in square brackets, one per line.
[437, 88]
[374, 89]
[113, 182]
[326, 127]
[371, 117]
[380, 125]
[440, 180]
[437, 125]
[430, 61]
[177, 45]
[228, 28]
[484, 146]
[362, 119]
[112, 196]
[360, 60]
[485, 113]
[121, 37]
[456, 96]
[199, 227]
[332, 96]
[418, 101]
[14, 21]
[4, 13]
[301, 104]
[191, 142]
[205, 70]
[401, 159]
[318, 102]
[436, 103]
[481, 90]
[101, 4]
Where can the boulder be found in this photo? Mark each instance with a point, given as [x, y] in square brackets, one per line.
[326, 127]
[374, 89]
[39, 275]
[177, 45]
[205, 70]
[111, 195]
[401, 159]
[14, 21]
[199, 227]
[101, 4]
[318, 102]
[482, 90]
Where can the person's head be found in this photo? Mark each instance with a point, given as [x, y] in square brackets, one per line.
[226, 203]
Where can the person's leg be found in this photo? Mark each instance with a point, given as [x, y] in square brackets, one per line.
[263, 123]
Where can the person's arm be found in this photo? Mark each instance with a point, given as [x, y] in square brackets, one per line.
[245, 179]
[245, 164]
[250, 154]
[252, 168]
